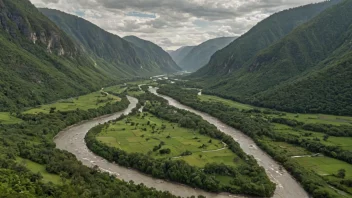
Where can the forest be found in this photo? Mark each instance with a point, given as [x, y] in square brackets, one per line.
[248, 178]
[32, 139]
[254, 124]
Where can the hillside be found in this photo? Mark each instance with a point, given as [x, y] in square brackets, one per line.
[39, 63]
[200, 55]
[261, 36]
[179, 54]
[108, 50]
[309, 70]
[153, 56]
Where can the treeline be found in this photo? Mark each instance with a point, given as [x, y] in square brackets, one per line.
[256, 127]
[329, 129]
[249, 178]
[33, 140]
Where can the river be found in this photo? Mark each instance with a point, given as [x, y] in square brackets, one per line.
[72, 140]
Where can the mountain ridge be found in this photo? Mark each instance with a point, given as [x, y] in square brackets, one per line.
[200, 55]
[108, 49]
[285, 75]
[261, 36]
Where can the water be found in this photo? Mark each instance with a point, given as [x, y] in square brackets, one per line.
[287, 186]
[72, 140]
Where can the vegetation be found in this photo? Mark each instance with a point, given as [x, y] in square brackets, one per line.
[261, 36]
[143, 132]
[200, 55]
[285, 140]
[49, 172]
[153, 142]
[127, 56]
[7, 118]
[179, 54]
[289, 74]
[40, 170]
[33, 74]
[85, 102]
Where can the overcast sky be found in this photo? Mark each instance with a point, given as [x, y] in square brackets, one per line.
[173, 23]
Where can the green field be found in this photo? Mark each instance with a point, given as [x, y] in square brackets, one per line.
[325, 166]
[288, 149]
[126, 135]
[38, 168]
[306, 118]
[85, 102]
[6, 118]
[342, 142]
[116, 89]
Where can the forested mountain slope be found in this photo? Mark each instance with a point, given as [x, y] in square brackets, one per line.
[309, 70]
[153, 56]
[179, 54]
[109, 50]
[200, 55]
[261, 36]
[39, 63]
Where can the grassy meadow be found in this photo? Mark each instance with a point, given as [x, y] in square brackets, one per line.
[38, 168]
[306, 118]
[85, 102]
[134, 134]
[7, 118]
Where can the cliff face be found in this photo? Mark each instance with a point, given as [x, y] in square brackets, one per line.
[27, 23]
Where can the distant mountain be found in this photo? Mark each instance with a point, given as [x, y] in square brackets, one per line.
[200, 55]
[261, 36]
[309, 70]
[109, 50]
[152, 55]
[180, 53]
[39, 62]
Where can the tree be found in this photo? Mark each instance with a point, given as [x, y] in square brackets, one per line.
[326, 137]
[341, 173]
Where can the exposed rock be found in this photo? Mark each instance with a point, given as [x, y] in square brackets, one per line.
[34, 37]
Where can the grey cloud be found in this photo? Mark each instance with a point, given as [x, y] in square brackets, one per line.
[174, 23]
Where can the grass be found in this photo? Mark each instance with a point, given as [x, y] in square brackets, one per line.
[7, 118]
[288, 149]
[85, 102]
[116, 89]
[325, 166]
[342, 142]
[38, 168]
[127, 136]
[306, 118]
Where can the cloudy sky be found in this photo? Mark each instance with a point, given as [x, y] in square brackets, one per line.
[173, 23]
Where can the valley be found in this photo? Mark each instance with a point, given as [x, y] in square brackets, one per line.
[299, 142]
[168, 99]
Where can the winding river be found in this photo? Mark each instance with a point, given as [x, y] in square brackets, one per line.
[72, 140]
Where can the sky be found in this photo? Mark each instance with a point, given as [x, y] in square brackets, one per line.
[173, 23]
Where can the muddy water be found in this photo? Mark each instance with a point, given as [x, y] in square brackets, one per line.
[72, 140]
[287, 186]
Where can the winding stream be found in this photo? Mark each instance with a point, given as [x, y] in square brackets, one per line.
[72, 140]
[287, 186]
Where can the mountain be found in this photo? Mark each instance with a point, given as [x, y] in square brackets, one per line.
[39, 62]
[200, 55]
[153, 56]
[261, 36]
[179, 54]
[309, 70]
[111, 51]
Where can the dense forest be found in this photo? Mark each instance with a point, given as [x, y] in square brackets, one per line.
[261, 36]
[307, 70]
[249, 178]
[255, 124]
[33, 140]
